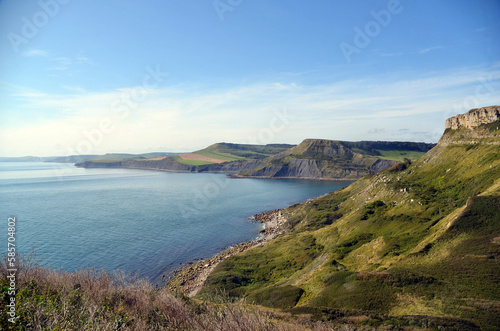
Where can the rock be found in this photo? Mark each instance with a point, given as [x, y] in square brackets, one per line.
[474, 118]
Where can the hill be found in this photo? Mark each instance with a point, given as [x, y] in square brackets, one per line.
[316, 158]
[221, 157]
[390, 150]
[416, 245]
[226, 152]
[280, 160]
[84, 157]
[330, 159]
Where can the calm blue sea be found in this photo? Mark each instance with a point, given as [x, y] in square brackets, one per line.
[135, 220]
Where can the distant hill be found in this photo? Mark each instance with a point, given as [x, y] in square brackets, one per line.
[314, 161]
[390, 150]
[22, 159]
[331, 159]
[225, 152]
[317, 158]
[221, 157]
[414, 246]
[82, 157]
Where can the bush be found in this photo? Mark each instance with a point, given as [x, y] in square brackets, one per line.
[96, 300]
[277, 297]
[400, 166]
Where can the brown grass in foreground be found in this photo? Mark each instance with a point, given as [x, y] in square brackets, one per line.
[91, 300]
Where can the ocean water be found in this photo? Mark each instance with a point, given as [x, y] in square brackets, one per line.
[139, 221]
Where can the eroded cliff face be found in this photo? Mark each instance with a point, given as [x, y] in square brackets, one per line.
[474, 118]
[477, 126]
[170, 164]
[318, 159]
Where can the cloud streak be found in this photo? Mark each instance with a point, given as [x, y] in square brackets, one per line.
[427, 50]
[35, 52]
[185, 118]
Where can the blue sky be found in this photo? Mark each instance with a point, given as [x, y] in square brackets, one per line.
[80, 77]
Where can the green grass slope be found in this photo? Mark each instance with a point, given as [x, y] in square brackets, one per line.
[399, 155]
[177, 158]
[235, 152]
[222, 151]
[418, 242]
[390, 150]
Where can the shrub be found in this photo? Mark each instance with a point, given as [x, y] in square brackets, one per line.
[277, 297]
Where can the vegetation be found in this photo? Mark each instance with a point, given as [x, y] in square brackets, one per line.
[413, 247]
[391, 150]
[318, 158]
[177, 158]
[399, 155]
[91, 300]
[416, 242]
[235, 152]
[110, 157]
[223, 151]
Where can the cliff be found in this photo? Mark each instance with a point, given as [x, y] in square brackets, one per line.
[477, 126]
[170, 164]
[474, 118]
[417, 242]
[312, 159]
[319, 159]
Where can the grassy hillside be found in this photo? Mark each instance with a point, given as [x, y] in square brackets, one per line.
[234, 152]
[91, 300]
[399, 155]
[110, 157]
[319, 158]
[396, 151]
[225, 152]
[390, 150]
[419, 239]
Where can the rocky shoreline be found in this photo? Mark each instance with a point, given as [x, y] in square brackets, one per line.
[190, 279]
[236, 176]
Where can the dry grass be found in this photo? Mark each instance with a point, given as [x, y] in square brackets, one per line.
[96, 300]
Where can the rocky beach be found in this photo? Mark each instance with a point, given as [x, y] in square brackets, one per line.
[189, 280]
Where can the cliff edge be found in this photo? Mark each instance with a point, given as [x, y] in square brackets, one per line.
[474, 118]
[419, 243]
[319, 159]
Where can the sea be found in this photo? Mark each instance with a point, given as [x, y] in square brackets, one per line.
[143, 222]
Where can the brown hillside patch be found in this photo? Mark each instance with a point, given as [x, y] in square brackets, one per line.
[198, 157]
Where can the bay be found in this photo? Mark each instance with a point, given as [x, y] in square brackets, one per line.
[139, 221]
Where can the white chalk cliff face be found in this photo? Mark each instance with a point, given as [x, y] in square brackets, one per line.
[474, 118]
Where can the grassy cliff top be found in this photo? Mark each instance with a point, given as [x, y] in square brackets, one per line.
[419, 239]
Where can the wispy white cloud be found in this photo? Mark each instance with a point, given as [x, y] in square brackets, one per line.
[392, 54]
[63, 63]
[382, 53]
[76, 89]
[427, 50]
[187, 118]
[34, 52]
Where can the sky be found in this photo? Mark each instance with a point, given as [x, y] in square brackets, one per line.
[130, 76]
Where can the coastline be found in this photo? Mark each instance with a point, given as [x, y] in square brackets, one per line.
[158, 169]
[229, 174]
[190, 279]
[235, 176]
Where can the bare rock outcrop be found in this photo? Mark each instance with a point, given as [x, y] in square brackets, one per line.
[474, 118]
